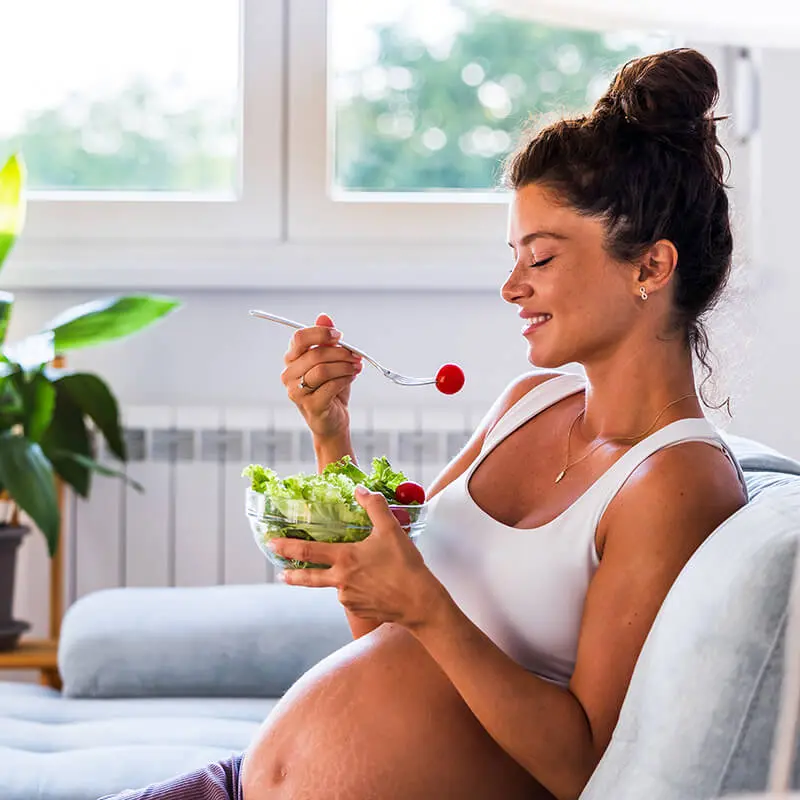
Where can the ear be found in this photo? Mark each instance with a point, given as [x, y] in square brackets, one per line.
[656, 266]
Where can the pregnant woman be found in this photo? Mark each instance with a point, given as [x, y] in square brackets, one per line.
[493, 663]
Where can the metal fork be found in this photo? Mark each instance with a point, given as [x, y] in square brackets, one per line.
[403, 380]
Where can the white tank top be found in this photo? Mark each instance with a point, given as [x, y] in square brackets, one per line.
[525, 587]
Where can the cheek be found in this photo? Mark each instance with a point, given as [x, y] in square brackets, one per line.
[594, 309]
[575, 296]
[594, 289]
[609, 319]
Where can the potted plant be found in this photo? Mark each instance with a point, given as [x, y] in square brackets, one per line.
[49, 414]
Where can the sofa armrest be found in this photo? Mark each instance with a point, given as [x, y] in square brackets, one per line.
[217, 641]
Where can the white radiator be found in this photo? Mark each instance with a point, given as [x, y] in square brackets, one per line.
[188, 527]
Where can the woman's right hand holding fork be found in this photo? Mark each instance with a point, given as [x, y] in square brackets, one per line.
[326, 371]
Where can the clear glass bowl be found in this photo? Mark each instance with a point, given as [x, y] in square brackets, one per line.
[299, 519]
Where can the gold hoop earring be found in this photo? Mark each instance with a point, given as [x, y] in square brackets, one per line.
[643, 293]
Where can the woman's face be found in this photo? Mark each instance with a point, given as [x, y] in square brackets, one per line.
[562, 269]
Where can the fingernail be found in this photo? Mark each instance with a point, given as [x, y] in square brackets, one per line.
[361, 491]
[280, 576]
[334, 334]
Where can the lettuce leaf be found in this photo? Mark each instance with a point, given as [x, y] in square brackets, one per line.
[345, 466]
[383, 478]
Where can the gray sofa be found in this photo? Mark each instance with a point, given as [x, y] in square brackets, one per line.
[160, 681]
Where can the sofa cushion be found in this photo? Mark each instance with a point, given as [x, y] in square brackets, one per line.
[218, 641]
[698, 717]
[754, 456]
[55, 748]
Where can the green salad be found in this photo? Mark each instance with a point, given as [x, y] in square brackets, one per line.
[320, 507]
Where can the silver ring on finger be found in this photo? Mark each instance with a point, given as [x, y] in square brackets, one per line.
[304, 385]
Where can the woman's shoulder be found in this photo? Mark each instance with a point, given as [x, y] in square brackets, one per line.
[522, 384]
[702, 485]
[517, 389]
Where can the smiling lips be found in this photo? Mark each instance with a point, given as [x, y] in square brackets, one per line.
[534, 322]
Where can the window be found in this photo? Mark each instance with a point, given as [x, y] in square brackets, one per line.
[123, 96]
[152, 130]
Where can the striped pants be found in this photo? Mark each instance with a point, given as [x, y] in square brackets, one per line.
[218, 781]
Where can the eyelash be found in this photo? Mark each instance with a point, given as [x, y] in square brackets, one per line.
[538, 263]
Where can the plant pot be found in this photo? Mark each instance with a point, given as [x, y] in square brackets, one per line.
[10, 629]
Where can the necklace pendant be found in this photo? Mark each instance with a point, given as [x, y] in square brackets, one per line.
[560, 475]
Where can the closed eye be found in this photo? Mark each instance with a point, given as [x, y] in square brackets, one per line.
[537, 263]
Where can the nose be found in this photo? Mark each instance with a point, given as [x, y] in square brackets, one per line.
[515, 287]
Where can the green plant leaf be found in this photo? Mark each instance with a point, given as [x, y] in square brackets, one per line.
[104, 469]
[6, 306]
[107, 319]
[94, 398]
[11, 404]
[28, 477]
[68, 433]
[38, 403]
[12, 204]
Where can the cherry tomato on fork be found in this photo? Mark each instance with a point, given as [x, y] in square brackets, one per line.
[409, 492]
[449, 378]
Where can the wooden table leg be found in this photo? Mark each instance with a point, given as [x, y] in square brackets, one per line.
[51, 678]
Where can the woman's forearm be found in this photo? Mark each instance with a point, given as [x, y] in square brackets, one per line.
[542, 726]
[359, 627]
[332, 449]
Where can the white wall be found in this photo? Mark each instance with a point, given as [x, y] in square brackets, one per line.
[770, 410]
[212, 351]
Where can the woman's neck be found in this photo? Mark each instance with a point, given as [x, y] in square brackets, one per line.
[624, 398]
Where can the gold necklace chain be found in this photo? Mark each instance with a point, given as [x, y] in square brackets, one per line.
[567, 465]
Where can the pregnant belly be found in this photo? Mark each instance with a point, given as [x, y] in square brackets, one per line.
[379, 720]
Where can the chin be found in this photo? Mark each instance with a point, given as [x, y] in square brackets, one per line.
[543, 360]
[549, 364]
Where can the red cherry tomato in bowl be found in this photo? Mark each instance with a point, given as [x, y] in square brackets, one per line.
[449, 378]
[409, 492]
[402, 516]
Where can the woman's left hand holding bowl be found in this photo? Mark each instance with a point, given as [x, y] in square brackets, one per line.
[382, 578]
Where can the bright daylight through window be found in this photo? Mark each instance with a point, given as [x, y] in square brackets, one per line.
[130, 95]
[430, 96]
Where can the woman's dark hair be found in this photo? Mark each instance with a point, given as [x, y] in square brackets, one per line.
[647, 160]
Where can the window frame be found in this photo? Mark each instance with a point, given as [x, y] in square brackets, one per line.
[461, 218]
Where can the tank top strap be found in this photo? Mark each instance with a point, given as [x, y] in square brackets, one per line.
[688, 429]
[533, 402]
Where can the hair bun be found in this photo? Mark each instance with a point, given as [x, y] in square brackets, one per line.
[674, 89]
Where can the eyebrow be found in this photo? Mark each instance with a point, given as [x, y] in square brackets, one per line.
[529, 237]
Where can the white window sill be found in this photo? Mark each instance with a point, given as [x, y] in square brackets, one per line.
[166, 265]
